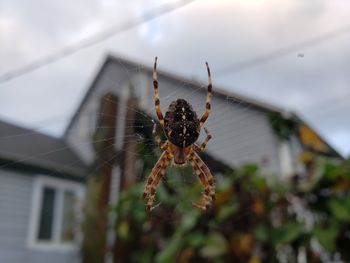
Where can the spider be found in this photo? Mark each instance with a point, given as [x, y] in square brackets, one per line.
[181, 127]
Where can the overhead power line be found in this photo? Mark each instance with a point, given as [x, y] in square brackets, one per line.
[93, 40]
[317, 40]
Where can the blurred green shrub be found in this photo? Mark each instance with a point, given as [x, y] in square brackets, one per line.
[306, 219]
[251, 221]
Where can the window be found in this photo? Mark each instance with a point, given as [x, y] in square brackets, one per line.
[46, 214]
[56, 214]
[87, 123]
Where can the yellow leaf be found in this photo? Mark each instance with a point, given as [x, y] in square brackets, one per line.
[254, 260]
[310, 139]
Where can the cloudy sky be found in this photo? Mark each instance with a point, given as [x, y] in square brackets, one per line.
[291, 53]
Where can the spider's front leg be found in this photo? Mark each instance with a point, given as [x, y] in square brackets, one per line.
[162, 145]
[201, 148]
[208, 101]
[156, 95]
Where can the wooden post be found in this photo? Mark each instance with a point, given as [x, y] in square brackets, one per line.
[94, 245]
[128, 168]
[129, 156]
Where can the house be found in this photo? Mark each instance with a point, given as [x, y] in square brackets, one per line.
[41, 186]
[42, 177]
[243, 130]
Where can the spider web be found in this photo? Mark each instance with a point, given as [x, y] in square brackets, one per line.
[181, 178]
[174, 176]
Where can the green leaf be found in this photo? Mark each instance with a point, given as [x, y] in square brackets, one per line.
[327, 235]
[288, 232]
[262, 232]
[330, 171]
[283, 127]
[195, 239]
[172, 247]
[227, 210]
[225, 184]
[190, 219]
[259, 182]
[215, 246]
[123, 230]
[339, 209]
[248, 168]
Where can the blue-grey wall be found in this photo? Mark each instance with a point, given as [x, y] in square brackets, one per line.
[15, 208]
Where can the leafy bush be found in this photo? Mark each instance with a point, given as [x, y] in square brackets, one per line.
[251, 221]
[306, 219]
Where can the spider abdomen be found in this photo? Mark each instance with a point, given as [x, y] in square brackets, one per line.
[181, 124]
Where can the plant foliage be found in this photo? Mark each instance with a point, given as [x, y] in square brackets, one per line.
[251, 221]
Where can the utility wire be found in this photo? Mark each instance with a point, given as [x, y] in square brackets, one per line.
[153, 14]
[93, 40]
[317, 40]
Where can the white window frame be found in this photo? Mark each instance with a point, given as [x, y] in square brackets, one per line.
[60, 186]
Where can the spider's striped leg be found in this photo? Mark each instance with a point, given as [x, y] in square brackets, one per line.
[156, 94]
[152, 190]
[207, 104]
[207, 173]
[201, 148]
[157, 167]
[161, 144]
[207, 196]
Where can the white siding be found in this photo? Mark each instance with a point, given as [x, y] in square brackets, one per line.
[15, 208]
[79, 136]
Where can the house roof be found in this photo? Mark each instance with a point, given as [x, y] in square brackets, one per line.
[218, 92]
[31, 150]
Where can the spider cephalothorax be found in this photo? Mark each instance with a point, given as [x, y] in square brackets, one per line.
[182, 127]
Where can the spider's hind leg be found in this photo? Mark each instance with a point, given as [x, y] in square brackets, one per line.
[157, 173]
[203, 167]
[209, 192]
